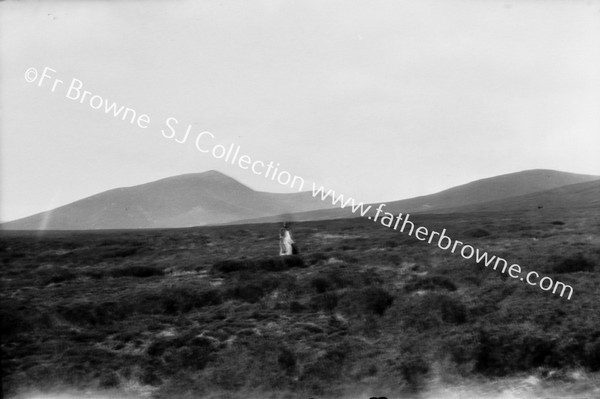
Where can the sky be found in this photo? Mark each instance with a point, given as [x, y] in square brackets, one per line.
[378, 100]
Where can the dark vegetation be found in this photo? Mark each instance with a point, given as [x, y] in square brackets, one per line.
[261, 264]
[572, 264]
[213, 311]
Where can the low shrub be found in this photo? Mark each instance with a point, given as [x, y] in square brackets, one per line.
[476, 233]
[591, 357]
[391, 244]
[393, 258]
[317, 257]
[165, 301]
[572, 265]
[320, 284]
[326, 301]
[343, 277]
[109, 380]
[251, 287]
[247, 292]
[185, 299]
[431, 310]
[327, 367]
[377, 300]
[296, 307]
[183, 352]
[57, 275]
[287, 360]
[94, 314]
[230, 266]
[150, 377]
[101, 253]
[135, 271]
[414, 368]
[13, 318]
[461, 347]
[370, 301]
[513, 348]
[268, 264]
[452, 310]
[431, 283]
[293, 261]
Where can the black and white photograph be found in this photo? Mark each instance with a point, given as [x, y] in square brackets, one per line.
[300, 199]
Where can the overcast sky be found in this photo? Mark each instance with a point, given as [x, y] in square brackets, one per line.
[380, 100]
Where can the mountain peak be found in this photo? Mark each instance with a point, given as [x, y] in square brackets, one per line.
[214, 172]
[213, 176]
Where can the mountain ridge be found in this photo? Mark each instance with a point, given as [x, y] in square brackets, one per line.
[186, 200]
[460, 197]
[211, 197]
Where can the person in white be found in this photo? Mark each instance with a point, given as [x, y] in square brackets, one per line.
[285, 240]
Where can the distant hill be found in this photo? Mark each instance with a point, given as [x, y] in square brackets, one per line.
[574, 196]
[463, 197]
[180, 201]
[213, 198]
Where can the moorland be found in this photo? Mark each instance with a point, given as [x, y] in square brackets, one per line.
[214, 312]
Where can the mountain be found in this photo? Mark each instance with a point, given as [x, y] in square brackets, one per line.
[213, 198]
[574, 196]
[180, 201]
[463, 197]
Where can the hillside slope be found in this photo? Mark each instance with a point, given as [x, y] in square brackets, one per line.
[180, 201]
[496, 188]
[574, 196]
